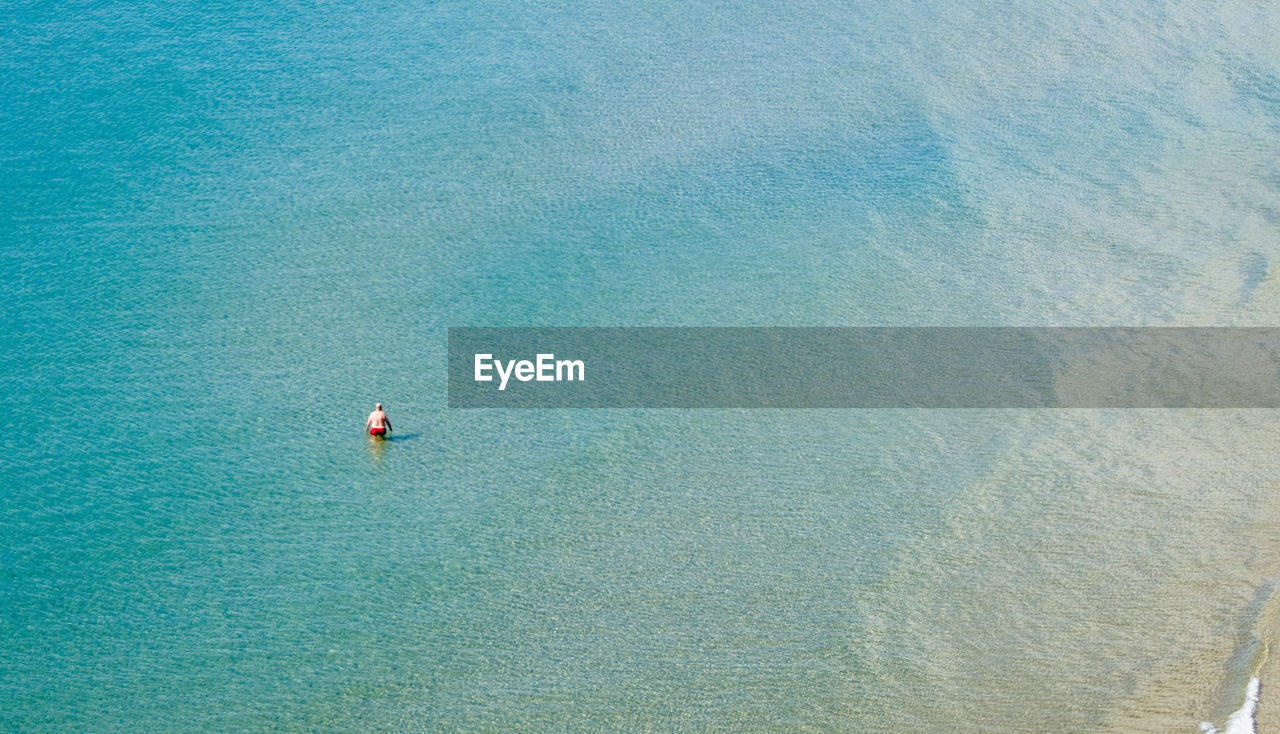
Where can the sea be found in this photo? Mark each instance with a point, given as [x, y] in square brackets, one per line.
[228, 229]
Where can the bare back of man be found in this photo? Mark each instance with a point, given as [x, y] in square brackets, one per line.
[378, 424]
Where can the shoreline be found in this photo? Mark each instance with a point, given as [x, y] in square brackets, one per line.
[1267, 715]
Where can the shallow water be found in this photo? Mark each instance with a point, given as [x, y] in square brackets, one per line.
[225, 232]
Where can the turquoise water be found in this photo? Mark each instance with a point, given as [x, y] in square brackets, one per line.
[225, 231]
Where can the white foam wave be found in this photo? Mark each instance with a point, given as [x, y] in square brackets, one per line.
[1240, 722]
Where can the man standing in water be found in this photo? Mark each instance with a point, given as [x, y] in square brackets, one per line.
[378, 423]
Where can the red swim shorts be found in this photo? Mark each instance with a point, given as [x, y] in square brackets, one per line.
[377, 431]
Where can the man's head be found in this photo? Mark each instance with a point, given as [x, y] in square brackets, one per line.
[379, 407]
